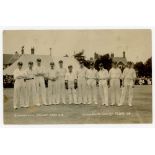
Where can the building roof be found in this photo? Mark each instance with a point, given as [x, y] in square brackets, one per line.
[120, 59]
[45, 59]
[6, 58]
[10, 58]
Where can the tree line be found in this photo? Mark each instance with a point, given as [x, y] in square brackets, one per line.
[142, 69]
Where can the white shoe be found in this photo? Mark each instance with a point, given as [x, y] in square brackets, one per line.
[120, 104]
[89, 103]
[26, 106]
[45, 104]
[95, 103]
[15, 108]
[38, 105]
[112, 104]
[130, 105]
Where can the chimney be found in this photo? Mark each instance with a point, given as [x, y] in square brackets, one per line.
[16, 53]
[22, 50]
[32, 50]
[123, 54]
[112, 55]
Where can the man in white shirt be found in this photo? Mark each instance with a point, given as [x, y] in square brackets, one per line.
[103, 87]
[52, 77]
[82, 84]
[71, 82]
[129, 76]
[115, 76]
[40, 83]
[61, 83]
[91, 76]
[19, 87]
[31, 96]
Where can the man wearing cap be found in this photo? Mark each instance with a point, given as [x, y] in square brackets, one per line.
[19, 87]
[103, 87]
[115, 76]
[61, 83]
[52, 77]
[91, 76]
[128, 77]
[31, 96]
[40, 83]
[82, 84]
[71, 82]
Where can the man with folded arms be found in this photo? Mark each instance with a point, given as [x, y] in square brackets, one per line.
[103, 87]
[82, 84]
[129, 76]
[31, 96]
[91, 76]
[19, 87]
[115, 75]
[61, 83]
[40, 83]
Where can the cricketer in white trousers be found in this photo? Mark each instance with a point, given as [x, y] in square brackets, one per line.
[40, 85]
[103, 87]
[91, 75]
[82, 85]
[129, 76]
[19, 89]
[70, 78]
[115, 75]
[52, 75]
[31, 93]
[61, 85]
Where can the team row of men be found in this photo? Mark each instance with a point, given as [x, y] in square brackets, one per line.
[79, 86]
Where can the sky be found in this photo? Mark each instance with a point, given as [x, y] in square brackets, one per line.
[136, 43]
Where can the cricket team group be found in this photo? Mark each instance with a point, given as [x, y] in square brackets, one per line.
[71, 85]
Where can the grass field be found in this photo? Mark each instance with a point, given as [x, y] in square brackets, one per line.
[141, 112]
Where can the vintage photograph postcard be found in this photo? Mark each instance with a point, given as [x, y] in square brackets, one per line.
[82, 76]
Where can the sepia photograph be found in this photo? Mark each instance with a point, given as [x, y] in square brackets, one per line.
[77, 76]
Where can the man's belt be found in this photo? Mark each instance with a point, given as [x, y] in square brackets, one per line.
[29, 79]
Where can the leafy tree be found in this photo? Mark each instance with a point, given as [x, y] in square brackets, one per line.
[139, 66]
[105, 60]
[148, 67]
